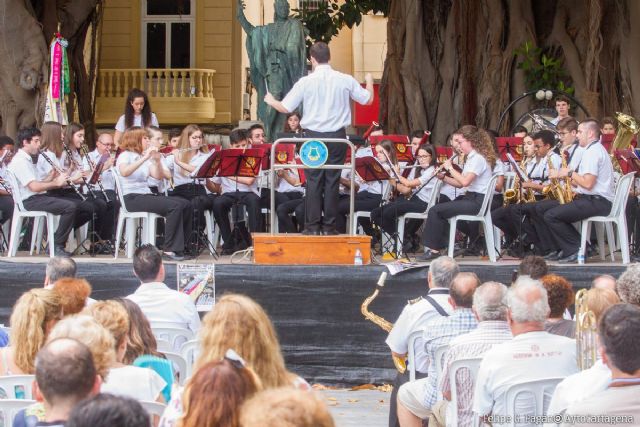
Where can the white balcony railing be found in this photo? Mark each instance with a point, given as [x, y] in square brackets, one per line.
[156, 82]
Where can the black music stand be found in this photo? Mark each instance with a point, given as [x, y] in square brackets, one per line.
[207, 170]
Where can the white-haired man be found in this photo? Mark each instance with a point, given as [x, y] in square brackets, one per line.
[531, 355]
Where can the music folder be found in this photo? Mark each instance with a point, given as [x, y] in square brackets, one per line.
[240, 162]
[370, 169]
[628, 160]
[210, 166]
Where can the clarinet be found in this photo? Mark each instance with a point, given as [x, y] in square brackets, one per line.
[4, 185]
[57, 169]
[92, 166]
[73, 162]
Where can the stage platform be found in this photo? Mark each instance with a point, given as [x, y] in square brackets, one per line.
[316, 309]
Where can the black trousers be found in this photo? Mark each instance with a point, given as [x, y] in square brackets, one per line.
[436, 229]
[633, 222]
[561, 218]
[6, 208]
[199, 199]
[107, 228]
[546, 242]
[515, 221]
[223, 204]
[364, 201]
[177, 213]
[386, 217]
[94, 203]
[287, 203]
[323, 185]
[57, 206]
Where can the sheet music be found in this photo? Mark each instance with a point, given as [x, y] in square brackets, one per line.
[516, 167]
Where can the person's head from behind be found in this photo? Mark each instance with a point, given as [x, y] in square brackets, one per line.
[107, 410]
[59, 267]
[65, 374]
[599, 300]
[140, 337]
[462, 289]
[619, 334]
[528, 305]
[73, 294]
[320, 53]
[604, 281]
[114, 318]
[490, 302]
[559, 293]
[215, 392]
[533, 266]
[442, 270]
[238, 138]
[286, 407]
[33, 316]
[628, 285]
[238, 322]
[147, 264]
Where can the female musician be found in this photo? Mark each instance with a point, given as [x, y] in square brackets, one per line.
[288, 195]
[159, 186]
[480, 160]
[137, 162]
[137, 112]
[292, 125]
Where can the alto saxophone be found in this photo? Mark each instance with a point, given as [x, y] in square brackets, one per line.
[553, 190]
[568, 193]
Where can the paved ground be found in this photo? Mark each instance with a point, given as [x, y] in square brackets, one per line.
[362, 408]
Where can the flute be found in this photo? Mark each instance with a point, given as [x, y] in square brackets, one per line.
[73, 162]
[92, 167]
[57, 169]
[395, 174]
[435, 173]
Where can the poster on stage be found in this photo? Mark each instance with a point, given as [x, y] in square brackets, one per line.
[199, 283]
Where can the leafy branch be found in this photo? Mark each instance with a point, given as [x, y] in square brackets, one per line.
[542, 70]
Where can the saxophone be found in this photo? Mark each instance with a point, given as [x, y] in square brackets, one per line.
[554, 189]
[400, 364]
[568, 193]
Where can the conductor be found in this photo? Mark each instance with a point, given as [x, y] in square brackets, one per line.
[325, 95]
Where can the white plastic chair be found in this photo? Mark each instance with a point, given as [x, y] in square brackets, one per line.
[439, 358]
[190, 351]
[472, 365]
[180, 363]
[411, 352]
[20, 212]
[537, 392]
[483, 216]
[17, 386]
[163, 346]
[175, 336]
[11, 407]
[618, 217]
[402, 219]
[154, 409]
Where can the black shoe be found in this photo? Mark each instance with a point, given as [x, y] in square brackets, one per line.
[226, 251]
[173, 256]
[59, 251]
[428, 256]
[307, 232]
[330, 232]
[569, 258]
[553, 256]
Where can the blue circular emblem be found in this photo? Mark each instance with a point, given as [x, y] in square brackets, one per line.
[314, 153]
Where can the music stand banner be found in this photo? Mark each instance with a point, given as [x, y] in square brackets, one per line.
[370, 169]
[401, 143]
[510, 145]
[628, 160]
[241, 162]
[443, 154]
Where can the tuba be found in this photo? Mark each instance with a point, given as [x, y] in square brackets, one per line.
[540, 123]
[626, 131]
[400, 364]
[586, 332]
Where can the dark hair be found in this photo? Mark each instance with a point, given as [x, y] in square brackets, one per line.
[26, 134]
[619, 332]
[237, 135]
[6, 140]
[175, 132]
[418, 133]
[390, 148]
[520, 129]
[146, 263]
[463, 295]
[128, 108]
[562, 98]
[546, 136]
[287, 128]
[320, 52]
[71, 129]
[107, 410]
[431, 150]
[559, 294]
[141, 338]
[65, 369]
[567, 124]
[533, 266]
[605, 121]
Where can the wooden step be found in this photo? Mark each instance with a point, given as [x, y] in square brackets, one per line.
[296, 249]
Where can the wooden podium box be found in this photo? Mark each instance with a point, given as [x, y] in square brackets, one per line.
[297, 249]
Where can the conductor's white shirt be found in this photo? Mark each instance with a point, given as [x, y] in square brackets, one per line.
[325, 95]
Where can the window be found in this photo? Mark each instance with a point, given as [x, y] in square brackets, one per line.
[311, 4]
[168, 33]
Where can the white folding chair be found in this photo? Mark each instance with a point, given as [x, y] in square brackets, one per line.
[439, 358]
[179, 362]
[618, 217]
[163, 345]
[20, 212]
[472, 366]
[529, 398]
[154, 409]
[175, 336]
[411, 352]
[10, 408]
[402, 219]
[190, 352]
[483, 216]
[17, 386]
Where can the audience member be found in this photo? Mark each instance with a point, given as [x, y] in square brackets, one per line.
[415, 399]
[414, 317]
[628, 285]
[285, 408]
[155, 299]
[533, 266]
[560, 296]
[532, 354]
[73, 293]
[619, 334]
[140, 339]
[604, 281]
[107, 410]
[57, 268]
[33, 316]
[125, 380]
[490, 309]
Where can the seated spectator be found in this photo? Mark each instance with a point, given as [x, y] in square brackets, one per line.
[285, 408]
[140, 339]
[74, 294]
[533, 266]
[215, 392]
[585, 383]
[125, 380]
[107, 410]
[604, 281]
[65, 375]
[415, 399]
[532, 354]
[628, 285]
[490, 308]
[156, 300]
[33, 316]
[619, 334]
[560, 295]
[57, 268]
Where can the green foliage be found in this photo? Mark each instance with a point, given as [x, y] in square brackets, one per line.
[542, 71]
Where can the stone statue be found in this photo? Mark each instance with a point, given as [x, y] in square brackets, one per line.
[277, 58]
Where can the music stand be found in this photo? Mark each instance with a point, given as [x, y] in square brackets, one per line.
[401, 143]
[510, 145]
[628, 160]
[285, 153]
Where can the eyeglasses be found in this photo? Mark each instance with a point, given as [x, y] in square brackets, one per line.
[106, 145]
[235, 359]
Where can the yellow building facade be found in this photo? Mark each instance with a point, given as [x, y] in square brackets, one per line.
[189, 57]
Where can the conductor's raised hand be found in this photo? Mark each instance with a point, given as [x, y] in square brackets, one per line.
[269, 99]
[368, 78]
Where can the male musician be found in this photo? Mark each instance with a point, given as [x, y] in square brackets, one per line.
[6, 201]
[562, 108]
[32, 190]
[255, 134]
[325, 95]
[417, 138]
[594, 188]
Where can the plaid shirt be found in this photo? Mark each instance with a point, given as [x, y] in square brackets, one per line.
[440, 332]
[467, 346]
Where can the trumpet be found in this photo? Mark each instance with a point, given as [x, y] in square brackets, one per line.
[57, 169]
[92, 167]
